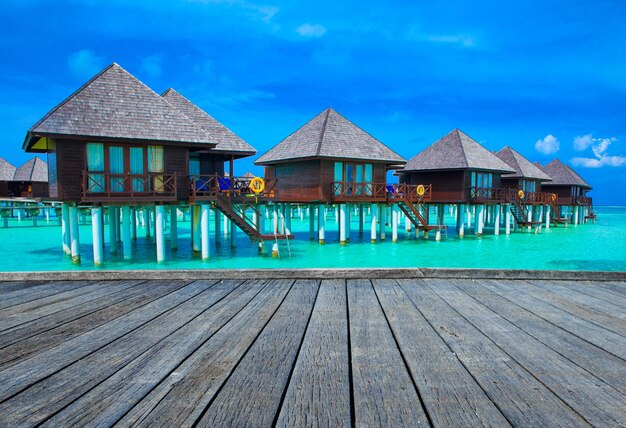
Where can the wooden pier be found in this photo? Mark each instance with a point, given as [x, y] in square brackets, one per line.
[310, 352]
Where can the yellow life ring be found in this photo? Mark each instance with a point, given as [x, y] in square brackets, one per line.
[520, 194]
[421, 190]
[553, 197]
[257, 185]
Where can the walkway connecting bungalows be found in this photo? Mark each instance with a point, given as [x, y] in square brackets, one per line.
[569, 192]
[118, 145]
[330, 161]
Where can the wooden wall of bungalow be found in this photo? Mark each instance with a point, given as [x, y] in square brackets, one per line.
[525, 184]
[28, 189]
[305, 181]
[449, 186]
[567, 195]
[68, 160]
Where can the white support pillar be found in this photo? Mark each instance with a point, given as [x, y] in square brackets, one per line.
[348, 209]
[195, 228]
[233, 233]
[547, 211]
[126, 240]
[496, 220]
[218, 226]
[460, 223]
[321, 223]
[65, 228]
[507, 219]
[159, 233]
[204, 230]
[468, 211]
[225, 224]
[275, 211]
[394, 223]
[173, 227]
[342, 224]
[374, 219]
[287, 214]
[529, 216]
[382, 211]
[96, 233]
[576, 214]
[112, 230]
[311, 222]
[74, 234]
[480, 219]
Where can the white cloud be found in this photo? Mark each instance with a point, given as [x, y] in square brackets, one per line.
[311, 30]
[152, 65]
[460, 39]
[85, 63]
[549, 144]
[603, 160]
[599, 147]
[581, 143]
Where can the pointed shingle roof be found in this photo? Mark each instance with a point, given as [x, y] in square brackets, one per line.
[33, 170]
[522, 166]
[456, 151]
[563, 175]
[7, 170]
[330, 135]
[114, 104]
[227, 141]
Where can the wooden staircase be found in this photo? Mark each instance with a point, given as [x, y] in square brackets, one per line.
[519, 211]
[413, 213]
[556, 214]
[237, 216]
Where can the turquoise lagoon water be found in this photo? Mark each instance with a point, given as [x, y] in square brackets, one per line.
[599, 246]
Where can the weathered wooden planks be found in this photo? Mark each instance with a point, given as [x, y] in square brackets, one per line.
[180, 399]
[523, 399]
[263, 373]
[569, 382]
[450, 394]
[30, 294]
[384, 394]
[605, 366]
[319, 391]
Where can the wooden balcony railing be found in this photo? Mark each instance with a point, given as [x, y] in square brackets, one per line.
[344, 191]
[410, 192]
[585, 201]
[508, 195]
[209, 186]
[101, 186]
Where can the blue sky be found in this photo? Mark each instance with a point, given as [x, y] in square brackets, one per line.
[545, 77]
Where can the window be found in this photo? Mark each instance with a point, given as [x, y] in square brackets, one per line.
[95, 163]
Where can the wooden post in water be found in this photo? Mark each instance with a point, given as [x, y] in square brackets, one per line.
[460, 223]
[374, 215]
[204, 231]
[126, 240]
[96, 233]
[321, 221]
[174, 227]
[496, 220]
[74, 234]
[65, 228]
[159, 233]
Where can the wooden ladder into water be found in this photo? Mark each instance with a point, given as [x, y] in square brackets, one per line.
[226, 207]
[415, 216]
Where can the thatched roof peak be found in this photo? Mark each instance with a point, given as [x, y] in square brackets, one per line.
[116, 105]
[7, 170]
[330, 135]
[564, 175]
[456, 150]
[33, 170]
[522, 166]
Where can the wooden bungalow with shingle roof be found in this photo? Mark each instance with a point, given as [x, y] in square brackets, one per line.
[330, 160]
[116, 142]
[462, 173]
[570, 191]
[7, 172]
[527, 176]
[31, 179]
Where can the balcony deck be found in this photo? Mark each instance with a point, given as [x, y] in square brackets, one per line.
[287, 352]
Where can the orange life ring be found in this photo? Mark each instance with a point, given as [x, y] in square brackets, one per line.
[553, 197]
[257, 185]
[421, 190]
[520, 194]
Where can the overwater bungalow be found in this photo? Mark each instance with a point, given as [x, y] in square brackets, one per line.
[569, 192]
[30, 180]
[115, 143]
[462, 173]
[332, 161]
[7, 172]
